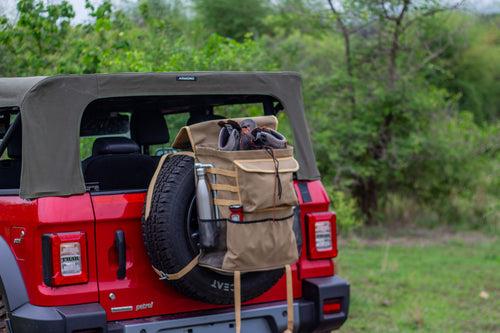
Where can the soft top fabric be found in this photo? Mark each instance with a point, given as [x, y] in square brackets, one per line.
[114, 145]
[13, 89]
[149, 127]
[52, 107]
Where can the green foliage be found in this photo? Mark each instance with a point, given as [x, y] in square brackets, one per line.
[39, 31]
[346, 211]
[232, 18]
[113, 42]
[402, 100]
[457, 170]
[376, 124]
[471, 63]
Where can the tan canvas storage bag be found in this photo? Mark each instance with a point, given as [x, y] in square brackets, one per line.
[264, 240]
[261, 181]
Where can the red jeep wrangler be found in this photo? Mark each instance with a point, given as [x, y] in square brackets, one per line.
[78, 153]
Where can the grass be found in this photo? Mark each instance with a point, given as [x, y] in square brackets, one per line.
[439, 283]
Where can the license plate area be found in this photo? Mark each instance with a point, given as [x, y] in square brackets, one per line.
[247, 325]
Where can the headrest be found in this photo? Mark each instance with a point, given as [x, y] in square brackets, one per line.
[14, 148]
[148, 127]
[114, 145]
[196, 118]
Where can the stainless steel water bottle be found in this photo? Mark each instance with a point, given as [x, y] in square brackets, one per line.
[204, 203]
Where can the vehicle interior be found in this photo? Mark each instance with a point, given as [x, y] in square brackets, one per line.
[122, 139]
[10, 148]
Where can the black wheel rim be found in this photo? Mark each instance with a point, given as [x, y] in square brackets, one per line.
[191, 222]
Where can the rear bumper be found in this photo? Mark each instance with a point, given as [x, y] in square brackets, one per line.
[269, 317]
[32, 318]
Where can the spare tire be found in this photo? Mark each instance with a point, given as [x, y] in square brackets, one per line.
[171, 239]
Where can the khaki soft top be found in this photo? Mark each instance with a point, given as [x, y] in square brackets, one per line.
[51, 110]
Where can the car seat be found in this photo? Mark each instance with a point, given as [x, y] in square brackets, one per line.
[117, 164]
[201, 114]
[148, 127]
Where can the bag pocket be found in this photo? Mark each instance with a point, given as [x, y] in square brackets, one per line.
[263, 241]
[266, 183]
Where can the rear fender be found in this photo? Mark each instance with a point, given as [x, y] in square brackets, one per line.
[11, 279]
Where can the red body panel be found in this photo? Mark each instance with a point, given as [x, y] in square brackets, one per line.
[49, 215]
[99, 217]
[319, 202]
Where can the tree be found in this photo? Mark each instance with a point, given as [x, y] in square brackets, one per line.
[387, 106]
[39, 31]
[232, 18]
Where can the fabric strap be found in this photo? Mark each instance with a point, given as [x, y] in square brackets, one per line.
[222, 172]
[180, 274]
[151, 187]
[237, 300]
[224, 187]
[152, 183]
[226, 202]
[289, 299]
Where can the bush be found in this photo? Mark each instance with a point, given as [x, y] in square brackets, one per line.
[348, 218]
[456, 172]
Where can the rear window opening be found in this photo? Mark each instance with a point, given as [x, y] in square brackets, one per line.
[122, 139]
[10, 150]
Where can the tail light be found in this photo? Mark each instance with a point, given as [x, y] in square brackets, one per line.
[322, 235]
[331, 306]
[64, 258]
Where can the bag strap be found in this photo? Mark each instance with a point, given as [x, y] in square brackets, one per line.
[226, 202]
[222, 172]
[152, 183]
[224, 187]
[180, 274]
[289, 299]
[237, 300]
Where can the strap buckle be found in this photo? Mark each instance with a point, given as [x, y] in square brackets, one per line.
[180, 274]
[162, 275]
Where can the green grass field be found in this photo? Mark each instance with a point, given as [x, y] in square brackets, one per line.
[434, 283]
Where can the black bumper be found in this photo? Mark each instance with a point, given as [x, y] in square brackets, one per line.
[270, 317]
[317, 291]
[71, 318]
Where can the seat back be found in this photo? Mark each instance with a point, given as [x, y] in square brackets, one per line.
[116, 164]
[148, 127]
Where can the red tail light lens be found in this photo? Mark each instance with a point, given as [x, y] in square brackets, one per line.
[322, 235]
[331, 306]
[64, 258]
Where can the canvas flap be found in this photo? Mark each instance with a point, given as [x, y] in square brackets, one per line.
[288, 164]
[207, 133]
